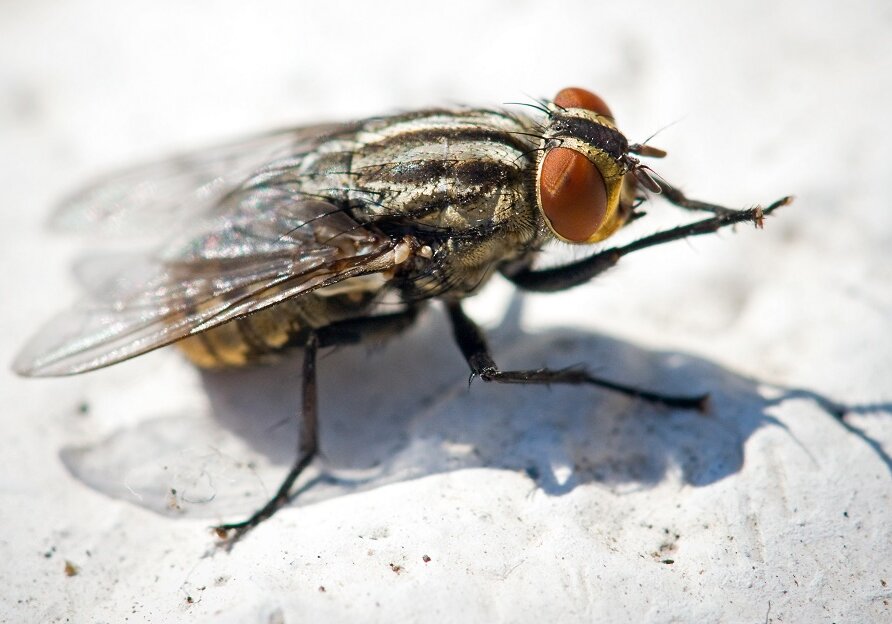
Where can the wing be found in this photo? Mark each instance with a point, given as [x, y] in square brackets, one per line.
[162, 196]
[262, 246]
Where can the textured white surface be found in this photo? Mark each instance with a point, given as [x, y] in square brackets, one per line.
[531, 503]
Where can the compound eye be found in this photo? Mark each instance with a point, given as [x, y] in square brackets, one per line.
[573, 194]
[574, 97]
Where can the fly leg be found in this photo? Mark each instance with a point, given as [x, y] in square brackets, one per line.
[343, 332]
[307, 448]
[352, 331]
[677, 197]
[580, 272]
[473, 346]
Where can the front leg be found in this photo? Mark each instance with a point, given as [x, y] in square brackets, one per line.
[471, 341]
[576, 273]
[675, 196]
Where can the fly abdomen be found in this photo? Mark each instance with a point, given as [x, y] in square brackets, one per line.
[262, 336]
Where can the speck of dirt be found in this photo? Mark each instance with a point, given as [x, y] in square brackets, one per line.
[396, 568]
[71, 569]
[426, 559]
[322, 589]
[668, 561]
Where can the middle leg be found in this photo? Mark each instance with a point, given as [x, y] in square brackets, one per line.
[471, 341]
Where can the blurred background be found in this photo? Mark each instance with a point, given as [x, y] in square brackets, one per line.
[753, 100]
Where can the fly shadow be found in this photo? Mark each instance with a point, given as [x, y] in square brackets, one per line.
[406, 411]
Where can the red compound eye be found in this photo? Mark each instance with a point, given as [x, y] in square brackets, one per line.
[574, 97]
[573, 194]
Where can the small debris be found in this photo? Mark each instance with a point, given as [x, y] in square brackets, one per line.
[396, 568]
[322, 589]
[668, 561]
[427, 559]
[172, 502]
[71, 569]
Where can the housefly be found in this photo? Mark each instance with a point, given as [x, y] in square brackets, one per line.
[330, 234]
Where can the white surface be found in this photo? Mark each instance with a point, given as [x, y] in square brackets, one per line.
[531, 503]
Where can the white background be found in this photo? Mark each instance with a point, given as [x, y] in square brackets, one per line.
[565, 504]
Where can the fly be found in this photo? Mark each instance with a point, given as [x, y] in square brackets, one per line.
[331, 234]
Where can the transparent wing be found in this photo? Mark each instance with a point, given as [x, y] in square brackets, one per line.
[161, 196]
[262, 247]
